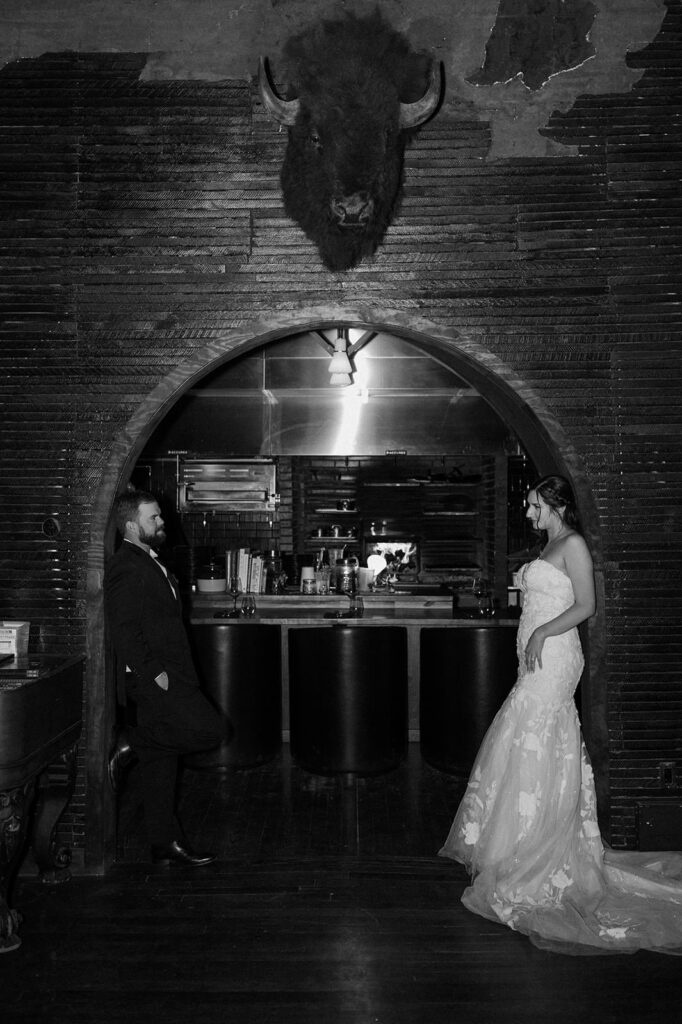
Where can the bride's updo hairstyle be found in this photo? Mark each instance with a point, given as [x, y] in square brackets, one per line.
[556, 492]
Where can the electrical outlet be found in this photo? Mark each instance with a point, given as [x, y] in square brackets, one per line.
[669, 775]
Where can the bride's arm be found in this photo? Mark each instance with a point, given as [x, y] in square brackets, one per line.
[578, 566]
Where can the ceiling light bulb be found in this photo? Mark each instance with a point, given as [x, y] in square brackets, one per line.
[340, 363]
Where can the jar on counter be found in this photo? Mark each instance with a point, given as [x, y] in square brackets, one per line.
[344, 579]
[272, 565]
[322, 580]
[211, 578]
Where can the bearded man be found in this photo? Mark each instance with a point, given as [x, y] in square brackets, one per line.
[155, 666]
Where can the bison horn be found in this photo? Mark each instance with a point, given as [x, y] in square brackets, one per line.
[284, 111]
[413, 114]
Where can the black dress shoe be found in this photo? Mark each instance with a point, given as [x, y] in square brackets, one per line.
[121, 757]
[174, 853]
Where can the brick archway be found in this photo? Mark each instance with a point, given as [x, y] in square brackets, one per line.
[513, 400]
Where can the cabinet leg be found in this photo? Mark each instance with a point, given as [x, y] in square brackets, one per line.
[54, 790]
[14, 819]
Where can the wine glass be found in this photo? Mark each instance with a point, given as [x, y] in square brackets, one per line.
[248, 608]
[235, 590]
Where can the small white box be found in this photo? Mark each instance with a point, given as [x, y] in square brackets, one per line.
[14, 637]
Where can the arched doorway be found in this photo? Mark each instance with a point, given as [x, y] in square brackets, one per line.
[510, 397]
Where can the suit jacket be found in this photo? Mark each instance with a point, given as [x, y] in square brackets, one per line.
[145, 620]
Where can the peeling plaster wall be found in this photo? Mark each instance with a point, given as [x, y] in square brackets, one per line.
[212, 40]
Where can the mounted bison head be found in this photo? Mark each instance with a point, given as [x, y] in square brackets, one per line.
[357, 93]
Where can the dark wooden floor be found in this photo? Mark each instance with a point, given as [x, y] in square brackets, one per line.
[328, 904]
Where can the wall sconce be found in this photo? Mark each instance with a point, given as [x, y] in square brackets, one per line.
[340, 367]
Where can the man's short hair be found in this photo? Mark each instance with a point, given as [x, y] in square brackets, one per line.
[127, 505]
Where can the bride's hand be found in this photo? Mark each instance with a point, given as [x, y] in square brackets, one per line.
[534, 650]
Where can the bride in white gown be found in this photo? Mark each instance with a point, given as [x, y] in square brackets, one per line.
[526, 828]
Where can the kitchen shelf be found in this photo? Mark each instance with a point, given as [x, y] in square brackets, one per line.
[461, 539]
[337, 511]
[421, 483]
[471, 567]
[338, 541]
[444, 483]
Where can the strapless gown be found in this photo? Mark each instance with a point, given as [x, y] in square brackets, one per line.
[527, 828]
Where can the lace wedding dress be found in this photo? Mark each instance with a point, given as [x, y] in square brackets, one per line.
[527, 826]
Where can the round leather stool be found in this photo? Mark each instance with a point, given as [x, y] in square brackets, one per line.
[348, 698]
[239, 664]
[465, 675]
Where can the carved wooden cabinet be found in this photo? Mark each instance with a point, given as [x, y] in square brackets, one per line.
[40, 724]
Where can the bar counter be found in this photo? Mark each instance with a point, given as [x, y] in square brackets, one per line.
[413, 612]
[302, 609]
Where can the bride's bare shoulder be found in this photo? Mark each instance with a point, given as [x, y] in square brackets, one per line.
[575, 540]
[574, 547]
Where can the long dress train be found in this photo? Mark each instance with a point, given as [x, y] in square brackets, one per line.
[527, 829]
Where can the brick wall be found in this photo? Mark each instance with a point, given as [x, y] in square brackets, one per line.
[142, 223]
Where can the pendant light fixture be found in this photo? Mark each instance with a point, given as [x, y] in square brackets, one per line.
[340, 367]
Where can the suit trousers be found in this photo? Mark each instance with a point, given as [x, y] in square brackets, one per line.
[170, 723]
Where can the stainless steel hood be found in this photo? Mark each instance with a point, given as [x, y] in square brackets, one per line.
[278, 401]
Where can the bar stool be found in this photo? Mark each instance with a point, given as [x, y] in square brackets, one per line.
[348, 698]
[465, 675]
[239, 664]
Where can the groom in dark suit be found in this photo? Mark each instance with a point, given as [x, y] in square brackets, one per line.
[142, 608]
